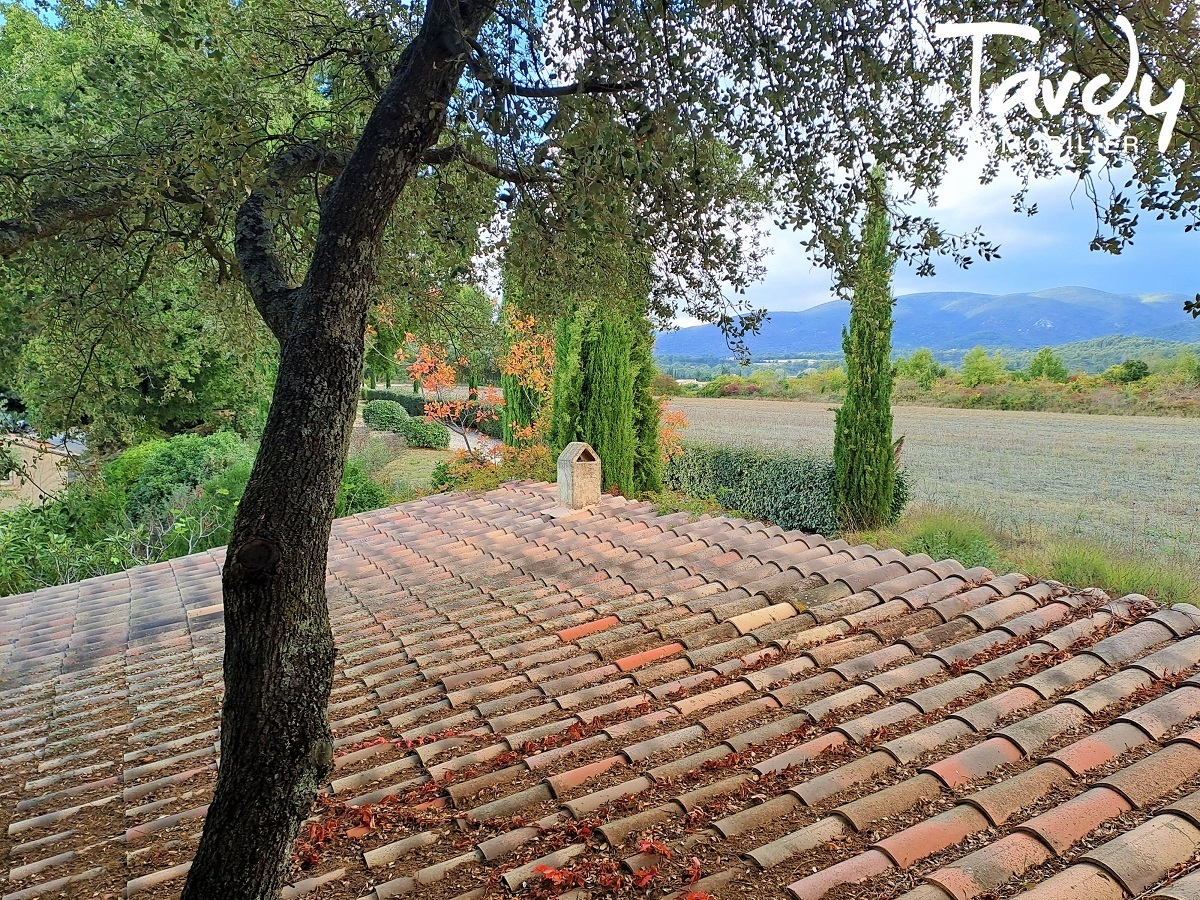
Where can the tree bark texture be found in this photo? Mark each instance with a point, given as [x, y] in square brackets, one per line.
[276, 747]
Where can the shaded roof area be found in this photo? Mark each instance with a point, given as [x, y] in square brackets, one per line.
[537, 702]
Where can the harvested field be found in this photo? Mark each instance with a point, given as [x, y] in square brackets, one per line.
[1129, 481]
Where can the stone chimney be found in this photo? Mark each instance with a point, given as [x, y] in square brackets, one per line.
[578, 476]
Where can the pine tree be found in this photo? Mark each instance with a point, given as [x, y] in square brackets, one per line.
[863, 456]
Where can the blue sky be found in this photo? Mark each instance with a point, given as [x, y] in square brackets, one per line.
[1047, 250]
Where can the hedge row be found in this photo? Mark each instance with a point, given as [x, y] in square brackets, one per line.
[795, 491]
[413, 405]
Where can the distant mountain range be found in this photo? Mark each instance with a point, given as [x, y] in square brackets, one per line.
[958, 321]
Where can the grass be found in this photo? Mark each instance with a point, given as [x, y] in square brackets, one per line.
[1130, 484]
[413, 466]
[402, 470]
[973, 540]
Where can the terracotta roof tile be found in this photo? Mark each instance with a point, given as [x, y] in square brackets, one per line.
[1000, 802]
[982, 872]
[854, 870]
[516, 629]
[1140, 858]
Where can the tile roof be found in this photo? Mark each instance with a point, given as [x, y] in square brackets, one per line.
[634, 701]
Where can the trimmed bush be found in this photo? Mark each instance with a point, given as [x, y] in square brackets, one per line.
[385, 415]
[795, 491]
[427, 435]
[414, 406]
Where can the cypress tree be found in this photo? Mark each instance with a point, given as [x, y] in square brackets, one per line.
[647, 461]
[865, 463]
[519, 403]
[568, 386]
[606, 400]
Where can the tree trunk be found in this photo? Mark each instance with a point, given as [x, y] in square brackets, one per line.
[276, 747]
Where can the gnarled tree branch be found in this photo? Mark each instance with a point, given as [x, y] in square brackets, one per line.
[254, 231]
[457, 153]
[481, 67]
[54, 217]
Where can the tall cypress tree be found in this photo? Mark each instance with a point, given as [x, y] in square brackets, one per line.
[606, 400]
[647, 462]
[567, 387]
[865, 464]
[519, 402]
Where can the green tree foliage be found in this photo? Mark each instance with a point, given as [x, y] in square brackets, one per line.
[862, 445]
[1187, 365]
[602, 394]
[123, 334]
[979, 367]
[567, 389]
[1046, 364]
[1129, 372]
[922, 368]
[647, 459]
[180, 465]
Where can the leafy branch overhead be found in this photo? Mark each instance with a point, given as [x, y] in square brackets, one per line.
[148, 126]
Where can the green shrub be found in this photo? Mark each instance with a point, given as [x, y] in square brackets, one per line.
[120, 473]
[795, 491]
[414, 406]
[180, 464]
[946, 536]
[1129, 372]
[440, 476]
[358, 493]
[385, 415]
[427, 435]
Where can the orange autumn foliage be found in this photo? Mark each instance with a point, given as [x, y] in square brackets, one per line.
[433, 371]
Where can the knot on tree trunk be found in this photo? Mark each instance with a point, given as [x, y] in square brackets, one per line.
[258, 557]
